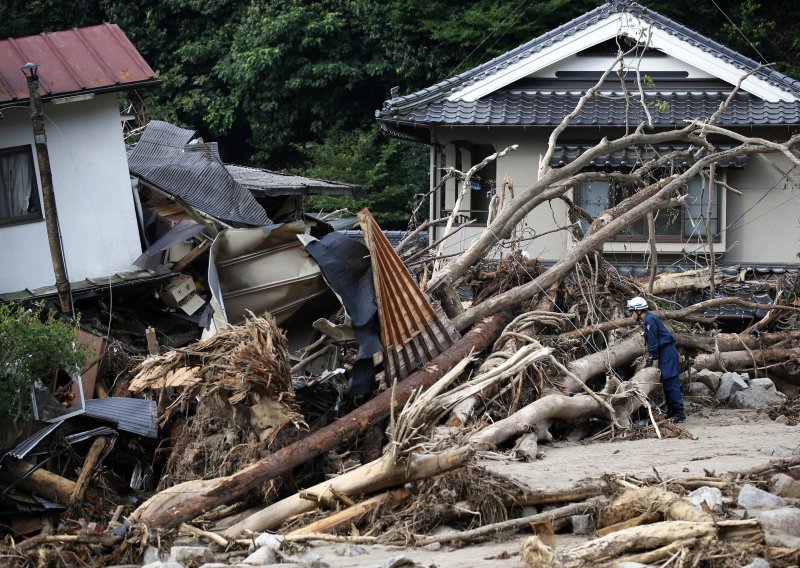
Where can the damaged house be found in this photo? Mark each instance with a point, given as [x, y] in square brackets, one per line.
[518, 97]
[80, 72]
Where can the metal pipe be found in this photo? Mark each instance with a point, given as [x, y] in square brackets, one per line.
[50, 212]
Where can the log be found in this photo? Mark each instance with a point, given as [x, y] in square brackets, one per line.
[558, 406]
[335, 434]
[89, 465]
[643, 519]
[354, 513]
[742, 360]
[732, 341]
[380, 474]
[650, 499]
[513, 524]
[43, 483]
[548, 495]
[634, 539]
[691, 279]
[107, 540]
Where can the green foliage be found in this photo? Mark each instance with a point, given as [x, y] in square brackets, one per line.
[395, 172]
[32, 346]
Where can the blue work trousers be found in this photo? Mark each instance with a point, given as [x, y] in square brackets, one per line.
[668, 365]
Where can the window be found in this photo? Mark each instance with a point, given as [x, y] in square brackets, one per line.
[679, 224]
[475, 203]
[19, 192]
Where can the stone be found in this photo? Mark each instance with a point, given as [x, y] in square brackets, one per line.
[698, 389]
[582, 524]
[765, 384]
[397, 561]
[730, 383]
[751, 497]
[758, 563]
[262, 555]
[785, 486]
[709, 378]
[191, 554]
[756, 398]
[710, 495]
[782, 419]
[215, 565]
[273, 541]
[350, 549]
[785, 519]
[432, 547]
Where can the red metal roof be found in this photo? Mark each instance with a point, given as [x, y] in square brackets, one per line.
[81, 60]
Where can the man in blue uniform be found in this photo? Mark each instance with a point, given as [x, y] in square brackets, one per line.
[661, 348]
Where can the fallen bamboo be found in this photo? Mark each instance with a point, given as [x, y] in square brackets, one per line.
[513, 524]
[333, 435]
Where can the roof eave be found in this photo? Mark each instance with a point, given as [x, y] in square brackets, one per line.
[24, 102]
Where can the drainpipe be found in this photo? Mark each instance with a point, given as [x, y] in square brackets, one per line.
[50, 212]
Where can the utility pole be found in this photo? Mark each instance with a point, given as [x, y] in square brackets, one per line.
[50, 212]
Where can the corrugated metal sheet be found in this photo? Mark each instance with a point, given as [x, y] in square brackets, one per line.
[93, 59]
[21, 450]
[276, 184]
[412, 331]
[194, 173]
[135, 415]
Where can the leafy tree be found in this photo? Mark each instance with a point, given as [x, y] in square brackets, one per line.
[32, 346]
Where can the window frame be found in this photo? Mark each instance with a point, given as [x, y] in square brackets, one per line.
[660, 237]
[38, 215]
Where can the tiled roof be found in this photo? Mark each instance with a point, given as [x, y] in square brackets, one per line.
[628, 157]
[71, 62]
[276, 184]
[547, 108]
[414, 106]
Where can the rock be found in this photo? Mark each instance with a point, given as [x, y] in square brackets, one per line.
[765, 384]
[262, 555]
[443, 529]
[785, 486]
[751, 497]
[432, 547]
[782, 419]
[730, 383]
[273, 541]
[215, 565]
[758, 563]
[782, 525]
[582, 524]
[698, 389]
[350, 549]
[709, 378]
[756, 398]
[397, 561]
[710, 495]
[780, 452]
[191, 554]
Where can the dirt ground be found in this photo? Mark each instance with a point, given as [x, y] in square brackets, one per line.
[727, 440]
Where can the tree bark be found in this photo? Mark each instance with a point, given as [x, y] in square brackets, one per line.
[743, 360]
[42, 482]
[374, 476]
[333, 435]
[558, 406]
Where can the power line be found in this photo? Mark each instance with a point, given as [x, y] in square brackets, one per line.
[763, 59]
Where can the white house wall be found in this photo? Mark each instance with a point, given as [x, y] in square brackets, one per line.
[93, 196]
[769, 228]
[598, 63]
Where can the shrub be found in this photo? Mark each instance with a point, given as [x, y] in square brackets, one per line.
[33, 344]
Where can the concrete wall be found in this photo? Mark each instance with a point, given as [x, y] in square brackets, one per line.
[768, 232]
[93, 196]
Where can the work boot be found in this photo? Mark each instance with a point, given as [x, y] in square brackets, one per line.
[676, 418]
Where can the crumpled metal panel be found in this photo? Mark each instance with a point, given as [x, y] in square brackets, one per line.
[277, 184]
[263, 270]
[412, 331]
[193, 173]
[92, 59]
[135, 415]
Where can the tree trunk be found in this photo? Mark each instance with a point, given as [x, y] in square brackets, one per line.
[557, 406]
[372, 477]
[743, 360]
[332, 436]
[42, 482]
[89, 465]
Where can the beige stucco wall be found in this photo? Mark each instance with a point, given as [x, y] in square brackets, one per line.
[769, 231]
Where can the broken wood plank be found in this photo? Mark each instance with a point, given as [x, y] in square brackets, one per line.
[87, 470]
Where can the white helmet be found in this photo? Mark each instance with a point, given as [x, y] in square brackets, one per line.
[637, 303]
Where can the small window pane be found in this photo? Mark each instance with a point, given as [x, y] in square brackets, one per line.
[19, 195]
